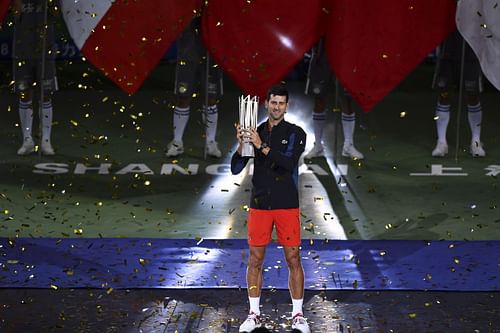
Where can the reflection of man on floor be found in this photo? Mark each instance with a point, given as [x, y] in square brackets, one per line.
[192, 71]
[34, 40]
[320, 83]
[446, 77]
[274, 203]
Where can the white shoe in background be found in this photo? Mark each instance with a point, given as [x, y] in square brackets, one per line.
[350, 151]
[212, 149]
[441, 149]
[476, 149]
[316, 151]
[175, 148]
[27, 148]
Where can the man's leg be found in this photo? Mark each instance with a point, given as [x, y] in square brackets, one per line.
[296, 275]
[254, 274]
[296, 286]
[254, 286]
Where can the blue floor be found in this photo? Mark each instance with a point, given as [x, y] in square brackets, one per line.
[187, 263]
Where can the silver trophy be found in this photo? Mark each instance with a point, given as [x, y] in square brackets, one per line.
[248, 119]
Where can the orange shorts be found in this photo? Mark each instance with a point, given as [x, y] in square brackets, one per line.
[262, 221]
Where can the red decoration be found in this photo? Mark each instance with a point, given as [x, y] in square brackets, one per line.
[373, 45]
[133, 36]
[257, 42]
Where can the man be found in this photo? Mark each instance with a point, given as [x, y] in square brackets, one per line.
[320, 82]
[34, 66]
[447, 76]
[278, 145]
[194, 67]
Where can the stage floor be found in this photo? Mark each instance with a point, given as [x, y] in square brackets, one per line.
[222, 310]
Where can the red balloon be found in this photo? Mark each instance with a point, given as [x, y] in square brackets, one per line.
[257, 42]
[137, 35]
[372, 45]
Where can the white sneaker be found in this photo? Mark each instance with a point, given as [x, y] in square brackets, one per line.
[27, 148]
[212, 149]
[350, 151]
[316, 151]
[441, 149]
[175, 148]
[252, 322]
[300, 323]
[46, 148]
[476, 149]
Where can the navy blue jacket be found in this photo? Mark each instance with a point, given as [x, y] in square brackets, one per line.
[275, 177]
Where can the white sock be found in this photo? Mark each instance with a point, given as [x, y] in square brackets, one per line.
[254, 304]
[319, 120]
[443, 118]
[210, 121]
[348, 125]
[181, 117]
[46, 121]
[475, 115]
[297, 306]
[26, 118]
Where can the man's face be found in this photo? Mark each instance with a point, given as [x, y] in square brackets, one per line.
[276, 107]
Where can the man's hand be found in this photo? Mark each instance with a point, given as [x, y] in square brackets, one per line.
[255, 138]
[239, 136]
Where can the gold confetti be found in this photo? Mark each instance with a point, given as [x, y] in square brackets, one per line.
[53, 286]
[412, 315]
[78, 231]
[402, 114]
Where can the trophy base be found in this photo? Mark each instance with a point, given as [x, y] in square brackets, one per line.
[247, 149]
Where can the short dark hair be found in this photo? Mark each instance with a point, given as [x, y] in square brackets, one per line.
[279, 90]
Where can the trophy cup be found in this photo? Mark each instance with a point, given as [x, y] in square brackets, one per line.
[248, 119]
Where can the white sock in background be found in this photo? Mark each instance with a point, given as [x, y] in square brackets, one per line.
[319, 119]
[26, 118]
[181, 117]
[210, 120]
[348, 125]
[443, 118]
[475, 116]
[46, 121]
